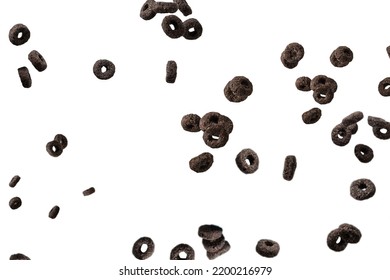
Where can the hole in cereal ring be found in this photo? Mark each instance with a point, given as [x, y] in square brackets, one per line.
[144, 248]
[182, 255]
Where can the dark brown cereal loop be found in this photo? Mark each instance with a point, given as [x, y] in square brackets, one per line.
[210, 232]
[147, 12]
[183, 7]
[54, 148]
[15, 203]
[25, 77]
[190, 122]
[54, 212]
[37, 60]
[215, 136]
[215, 118]
[19, 257]
[213, 246]
[362, 189]
[104, 69]
[192, 29]
[62, 140]
[341, 135]
[380, 127]
[323, 95]
[335, 241]
[19, 34]
[165, 7]
[353, 118]
[238, 89]
[341, 56]
[290, 165]
[138, 253]
[171, 72]
[223, 250]
[14, 181]
[350, 233]
[267, 248]
[182, 248]
[303, 83]
[364, 153]
[172, 26]
[247, 161]
[311, 116]
[202, 162]
[384, 87]
[89, 191]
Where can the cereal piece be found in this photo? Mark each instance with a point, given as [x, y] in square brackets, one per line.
[323, 95]
[19, 34]
[37, 60]
[104, 69]
[54, 148]
[303, 83]
[190, 122]
[380, 127]
[292, 54]
[290, 165]
[183, 7]
[335, 241]
[165, 7]
[322, 80]
[137, 252]
[210, 232]
[341, 135]
[171, 72]
[62, 140]
[215, 118]
[25, 77]
[14, 181]
[215, 136]
[192, 29]
[350, 233]
[19, 257]
[384, 87]
[214, 255]
[311, 116]
[202, 162]
[335, 62]
[54, 212]
[362, 189]
[187, 249]
[89, 191]
[353, 118]
[247, 161]
[15, 203]
[341, 56]
[173, 27]
[238, 89]
[147, 12]
[364, 153]
[267, 248]
[213, 246]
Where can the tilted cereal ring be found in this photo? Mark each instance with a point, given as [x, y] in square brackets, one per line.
[323, 95]
[335, 241]
[137, 252]
[247, 161]
[350, 233]
[384, 87]
[18, 257]
[37, 60]
[25, 77]
[19, 34]
[192, 29]
[267, 248]
[62, 140]
[202, 162]
[238, 89]
[303, 83]
[215, 118]
[184, 7]
[165, 7]
[362, 189]
[147, 11]
[223, 250]
[89, 191]
[171, 72]
[190, 122]
[290, 164]
[187, 249]
[210, 232]
[364, 153]
[213, 246]
[14, 181]
[54, 212]
[54, 148]
[177, 29]
[353, 118]
[311, 116]
[215, 136]
[15, 203]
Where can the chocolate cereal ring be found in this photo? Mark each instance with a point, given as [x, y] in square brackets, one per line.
[89, 191]
[267, 248]
[341, 135]
[171, 72]
[190, 122]
[322, 80]
[341, 56]
[25, 77]
[362, 189]
[14, 181]
[62, 140]
[192, 29]
[104, 69]
[293, 52]
[19, 34]
[323, 95]
[364, 153]
[15, 203]
[137, 252]
[247, 161]
[335, 242]
[380, 127]
[54, 148]
[182, 248]
[165, 7]
[37, 60]
[210, 232]
[202, 162]
[213, 246]
[183, 7]
[19, 257]
[303, 83]
[384, 87]
[215, 118]
[223, 250]
[215, 136]
[147, 12]
[352, 118]
[350, 233]
[311, 116]
[54, 212]
[290, 164]
[238, 89]
[177, 29]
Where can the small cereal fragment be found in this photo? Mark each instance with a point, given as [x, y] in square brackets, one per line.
[350, 233]
[14, 181]
[247, 161]
[25, 77]
[210, 232]
[311, 116]
[19, 34]
[89, 191]
[104, 69]
[147, 12]
[290, 165]
[18, 257]
[364, 153]
[192, 29]
[54, 148]
[267, 248]
[362, 189]
[54, 212]
[335, 241]
[184, 7]
[15, 203]
[143, 255]
[223, 250]
[190, 122]
[215, 136]
[182, 248]
[37, 60]
[172, 26]
[384, 87]
[303, 83]
[171, 72]
[202, 162]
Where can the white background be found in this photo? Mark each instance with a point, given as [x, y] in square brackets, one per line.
[125, 138]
